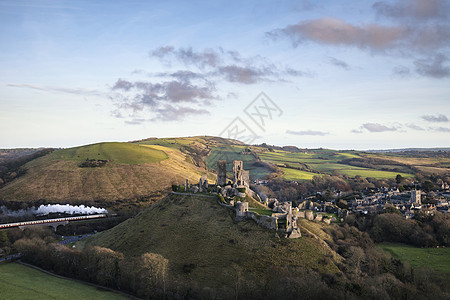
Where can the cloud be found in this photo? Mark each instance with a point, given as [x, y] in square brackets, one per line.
[159, 99]
[407, 28]
[435, 119]
[75, 91]
[356, 131]
[122, 85]
[374, 127]
[337, 62]
[307, 132]
[175, 95]
[202, 59]
[433, 67]
[220, 64]
[185, 75]
[162, 51]
[441, 129]
[246, 75]
[373, 37]
[172, 113]
[136, 121]
[420, 10]
[415, 127]
[333, 31]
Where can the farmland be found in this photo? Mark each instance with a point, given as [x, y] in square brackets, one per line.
[303, 166]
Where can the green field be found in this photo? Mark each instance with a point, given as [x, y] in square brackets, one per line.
[293, 174]
[435, 258]
[373, 173]
[118, 153]
[21, 282]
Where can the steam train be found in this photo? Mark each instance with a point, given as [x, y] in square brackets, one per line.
[38, 222]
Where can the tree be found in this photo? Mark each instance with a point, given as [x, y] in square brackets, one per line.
[342, 204]
[399, 178]
[4, 241]
[392, 210]
[428, 186]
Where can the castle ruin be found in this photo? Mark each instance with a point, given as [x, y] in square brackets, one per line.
[238, 170]
[221, 172]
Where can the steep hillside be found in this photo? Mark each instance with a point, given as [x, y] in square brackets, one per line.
[207, 248]
[132, 172]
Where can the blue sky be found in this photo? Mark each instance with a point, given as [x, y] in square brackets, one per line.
[338, 74]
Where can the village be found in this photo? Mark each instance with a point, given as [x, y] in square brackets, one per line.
[407, 202]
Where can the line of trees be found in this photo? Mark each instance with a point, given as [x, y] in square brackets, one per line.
[144, 275]
[422, 231]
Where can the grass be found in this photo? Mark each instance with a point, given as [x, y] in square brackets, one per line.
[117, 153]
[21, 282]
[253, 203]
[293, 174]
[374, 173]
[437, 259]
[206, 236]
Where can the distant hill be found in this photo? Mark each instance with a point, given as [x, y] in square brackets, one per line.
[410, 150]
[132, 173]
[207, 248]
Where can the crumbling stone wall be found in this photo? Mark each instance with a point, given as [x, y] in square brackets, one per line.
[264, 221]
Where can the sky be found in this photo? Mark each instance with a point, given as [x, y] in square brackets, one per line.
[332, 74]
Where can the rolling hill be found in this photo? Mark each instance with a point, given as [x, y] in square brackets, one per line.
[206, 248]
[132, 172]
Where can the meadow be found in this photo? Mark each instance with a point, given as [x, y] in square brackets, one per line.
[437, 259]
[22, 282]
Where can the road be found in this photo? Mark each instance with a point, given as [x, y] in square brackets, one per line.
[10, 257]
[71, 239]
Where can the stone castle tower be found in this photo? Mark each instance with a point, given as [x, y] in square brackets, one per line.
[238, 168]
[222, 172]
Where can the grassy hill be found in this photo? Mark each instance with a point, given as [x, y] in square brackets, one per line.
[132, 172]
[207, 248]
